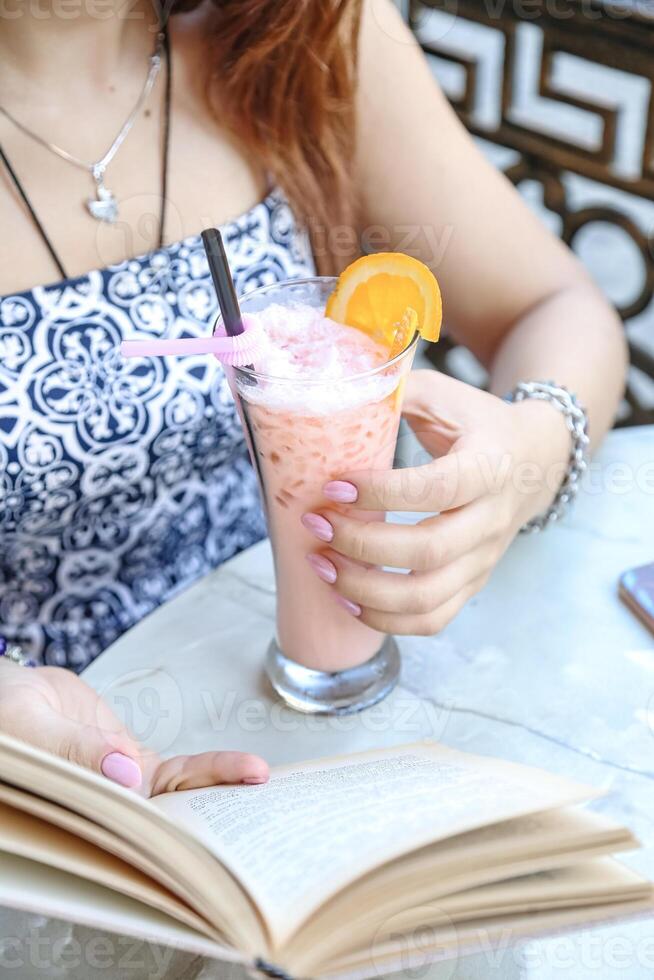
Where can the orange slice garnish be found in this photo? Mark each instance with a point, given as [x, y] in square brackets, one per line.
[404, 332]
[377, 292]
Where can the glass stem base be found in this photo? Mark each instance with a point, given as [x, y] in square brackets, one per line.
[341, 692]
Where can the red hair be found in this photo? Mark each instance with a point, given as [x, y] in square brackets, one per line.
[283, 83]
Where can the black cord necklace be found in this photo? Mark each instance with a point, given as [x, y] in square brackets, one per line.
[164, 169]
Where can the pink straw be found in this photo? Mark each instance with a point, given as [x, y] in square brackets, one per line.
[184, 345]
[229, 349]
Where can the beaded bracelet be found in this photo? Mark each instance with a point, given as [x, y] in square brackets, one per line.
[15, 653]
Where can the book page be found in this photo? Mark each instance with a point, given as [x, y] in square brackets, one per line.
[26, 836]
[580, 884]
[87, 830]
[518, 847]
[316, 827]
[37, 889]
[164, 843]
[583, 885]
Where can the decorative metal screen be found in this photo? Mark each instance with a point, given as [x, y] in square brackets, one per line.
[600, 36]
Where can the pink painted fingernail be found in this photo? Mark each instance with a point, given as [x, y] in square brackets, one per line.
[121, 769]
[323, 568]
[352, 607]
[341, 492]
[318, 526]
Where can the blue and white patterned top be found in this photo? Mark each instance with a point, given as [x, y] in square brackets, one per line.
[121, 482]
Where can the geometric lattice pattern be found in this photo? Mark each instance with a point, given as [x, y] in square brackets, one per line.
[591, 32]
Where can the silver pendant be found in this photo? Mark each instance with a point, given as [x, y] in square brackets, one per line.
[104, 206]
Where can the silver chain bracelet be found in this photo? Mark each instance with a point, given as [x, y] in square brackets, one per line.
[576, 420]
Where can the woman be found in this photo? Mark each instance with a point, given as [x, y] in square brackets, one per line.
[123, 484]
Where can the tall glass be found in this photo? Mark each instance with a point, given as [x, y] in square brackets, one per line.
[303, 433]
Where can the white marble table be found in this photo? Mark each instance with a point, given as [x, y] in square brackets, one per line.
[546, 667]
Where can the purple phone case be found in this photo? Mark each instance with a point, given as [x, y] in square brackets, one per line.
[637, 591]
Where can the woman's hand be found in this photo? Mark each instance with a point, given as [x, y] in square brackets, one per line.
[498, 466]
[55, 710]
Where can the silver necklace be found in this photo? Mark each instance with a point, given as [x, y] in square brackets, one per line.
[103, 206]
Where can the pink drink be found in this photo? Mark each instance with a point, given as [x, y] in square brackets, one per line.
[323, 401]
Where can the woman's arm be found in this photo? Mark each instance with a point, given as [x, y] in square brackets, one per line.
[513, 293]
[516, 297]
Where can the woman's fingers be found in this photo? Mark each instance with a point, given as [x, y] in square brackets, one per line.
[450, 557]
[32, 710]
[85, 745]
[117, 758]
[208, 769]
[56, 711]
[431, 544]
[414, 594]
[451, 481]
[421, 624]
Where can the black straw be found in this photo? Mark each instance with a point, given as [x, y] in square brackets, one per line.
[223, 282]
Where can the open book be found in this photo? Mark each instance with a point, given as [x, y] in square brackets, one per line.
[332, 868]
